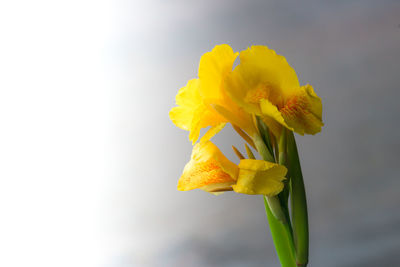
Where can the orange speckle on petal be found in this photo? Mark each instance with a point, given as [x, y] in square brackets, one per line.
[202, 174]
[254, 96]
[303, 111]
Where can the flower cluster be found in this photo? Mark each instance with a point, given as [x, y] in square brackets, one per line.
[262, 98]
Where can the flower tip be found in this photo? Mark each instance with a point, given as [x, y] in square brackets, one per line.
[181, 187]
[237, 152]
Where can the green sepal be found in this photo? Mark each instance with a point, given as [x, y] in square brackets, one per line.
[264, 132]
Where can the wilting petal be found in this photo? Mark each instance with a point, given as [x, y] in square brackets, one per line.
[259, 177]
[303, 111]
[208, 169]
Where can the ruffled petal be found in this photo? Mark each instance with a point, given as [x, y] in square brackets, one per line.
[259, 177]
[208, 169]
[261, 74]
[181, 118]
[203, 117]
[272, 117]
[212, 131]
[269, 68]
[303, 111]
[264, 84]
[192, 114]
[187, 99]
[214, 67]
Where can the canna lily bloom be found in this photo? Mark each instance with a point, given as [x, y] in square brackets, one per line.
[192, 114]
[203, 102]
[264, 84]
[209, 170]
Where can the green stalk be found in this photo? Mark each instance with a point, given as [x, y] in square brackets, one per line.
[282, 152]
[284, 195]
[276, 208]
[278, 218]
[264, 132]
[282, 238]
[282, 148]
[299, 203]
[274, 203]
[263, 149]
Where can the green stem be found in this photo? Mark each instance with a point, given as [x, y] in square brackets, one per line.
[282, 238]
[299, 203]
[274, 203]
[282, 148]
[263, 149]
[278, 218]
[264, 132]
[276, 208]
[284, 195]
[282, 152]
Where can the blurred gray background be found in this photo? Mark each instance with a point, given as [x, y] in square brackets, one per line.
[348, 51]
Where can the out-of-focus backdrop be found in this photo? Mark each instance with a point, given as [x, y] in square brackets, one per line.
[90, 159]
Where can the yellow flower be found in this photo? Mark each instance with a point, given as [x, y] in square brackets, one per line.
[192, 114]
[203, 102]
[208, 169]
[259, 177]
[211, 171]
[264, 84]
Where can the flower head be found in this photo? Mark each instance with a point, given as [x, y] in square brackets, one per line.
[204, 102]
[264, 84]
[192, 113]
[209, 170]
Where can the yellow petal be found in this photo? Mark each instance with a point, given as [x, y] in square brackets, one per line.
[261, 74]
[237, 152]
[249, 152]
[303, 111]
[214, 66]
[187, 99]
[192, 114]
[244, 136]
[208, 169]
[181, 118]
[272, 117]
[189, 95]
[212, 131]
[259, 177]
[264, 84]
[218, 189]
[237, 117]
[203, 117]
[272, 69]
